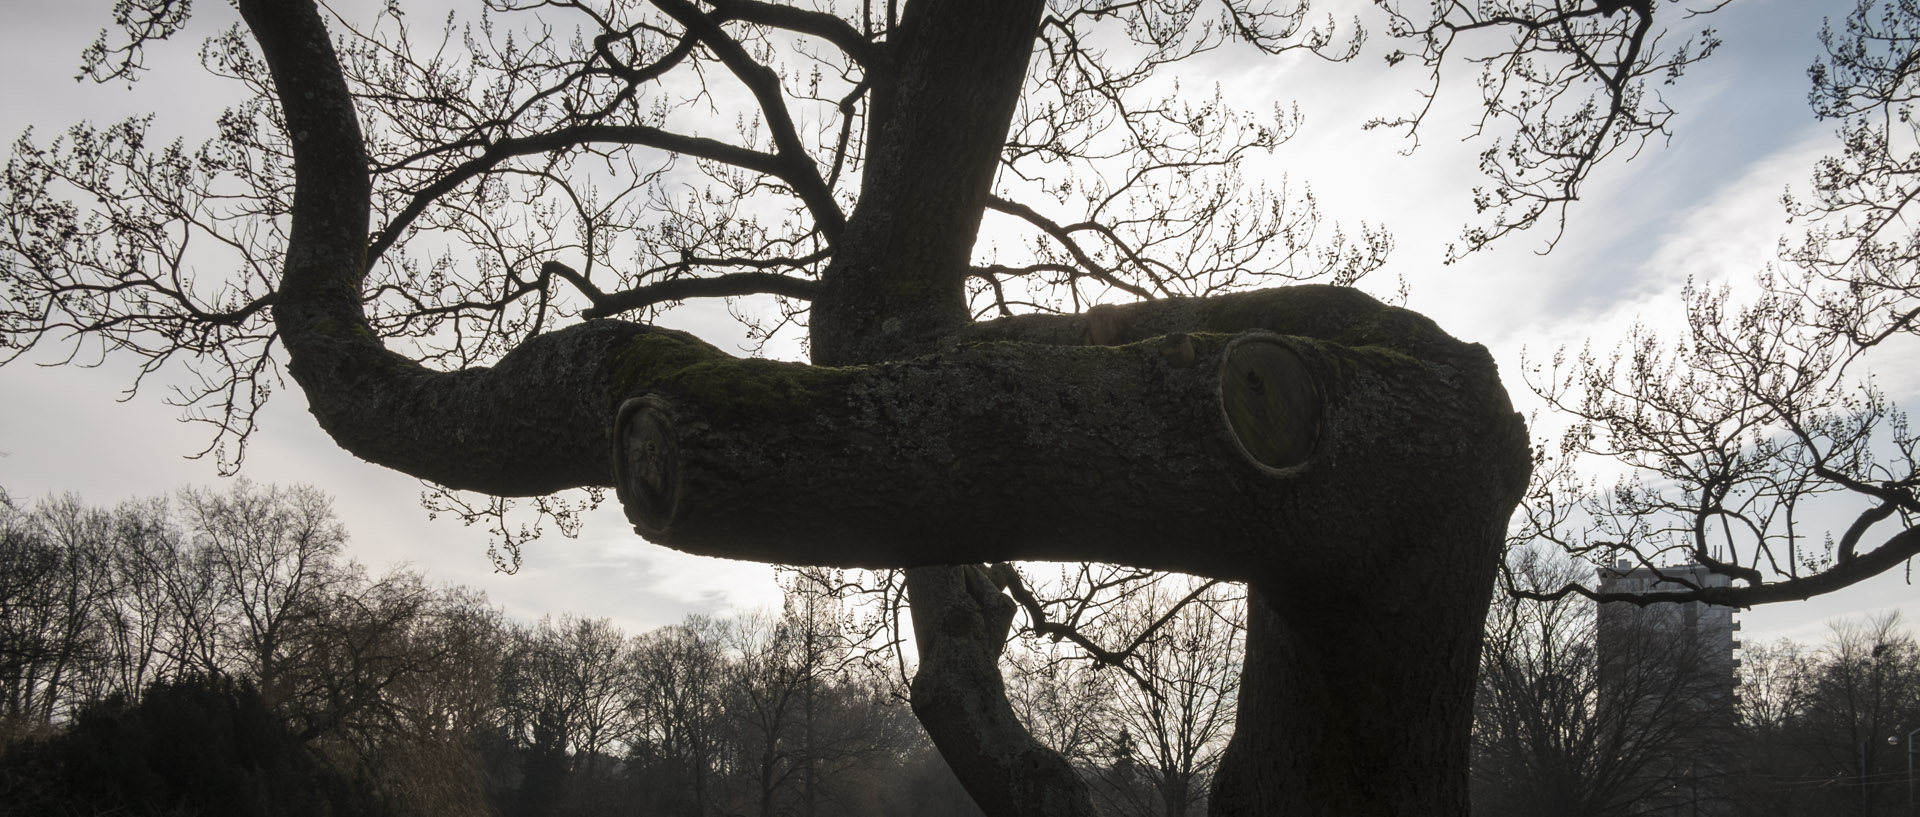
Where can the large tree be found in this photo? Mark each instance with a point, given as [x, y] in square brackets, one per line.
[458, 244]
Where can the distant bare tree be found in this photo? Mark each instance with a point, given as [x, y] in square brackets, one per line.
[1776, 688]
[1865, 690]
[29, 581]
[420, 741]
[1776, 684]
[142, 620]
[104, 602]
[1176, 724]
[796, 727]
[77, 633]
[1063, 701]
[1561, 729]
[1816, 721]
[680, 677]
[276, 555]
[569, 702]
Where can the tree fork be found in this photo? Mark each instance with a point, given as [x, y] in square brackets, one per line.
[937, 123]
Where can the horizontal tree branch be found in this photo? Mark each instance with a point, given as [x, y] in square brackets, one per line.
[1013, 450]
[1899, 548]
[730, 285]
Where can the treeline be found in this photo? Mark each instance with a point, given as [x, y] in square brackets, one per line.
[1829, 729]
[217, 653]
[159, 656]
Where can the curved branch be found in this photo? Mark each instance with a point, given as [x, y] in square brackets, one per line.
[960, 623]
[1007, 577]
[764, 84]
[577, 135]
[1850, 540]
[1901, 547]
[812, 23]
[730, 285]
[1060, 234]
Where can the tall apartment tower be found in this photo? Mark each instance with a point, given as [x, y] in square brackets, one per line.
[1668, 670]
[1710, 626]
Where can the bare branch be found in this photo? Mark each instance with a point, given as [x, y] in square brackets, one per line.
[563, 139]
[764, 83]
[812, 23]
[1903, 546]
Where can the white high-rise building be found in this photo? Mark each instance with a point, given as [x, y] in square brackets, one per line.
[1667, 671]
[1710, 627]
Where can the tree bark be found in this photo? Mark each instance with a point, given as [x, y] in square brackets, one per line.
[1002, 451]
[1357, 689]
[991, 452]
[1358, 700]
[938, 120]
[960, 622]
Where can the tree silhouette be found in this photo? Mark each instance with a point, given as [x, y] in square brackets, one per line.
[459, 240]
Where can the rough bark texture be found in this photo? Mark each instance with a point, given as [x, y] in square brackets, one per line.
[1007, 450]
[938, 121]
[990, 452]
[960, 622]
[1358, 700]
[1369, 542]
[1357, 689]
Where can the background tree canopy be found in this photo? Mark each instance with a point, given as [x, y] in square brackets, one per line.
[125, 635]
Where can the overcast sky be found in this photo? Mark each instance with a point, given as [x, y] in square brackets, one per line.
[1705, 205]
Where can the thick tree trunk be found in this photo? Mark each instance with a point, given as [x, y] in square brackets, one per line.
[1357, 687]
[938, 120]
[1359, 701]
